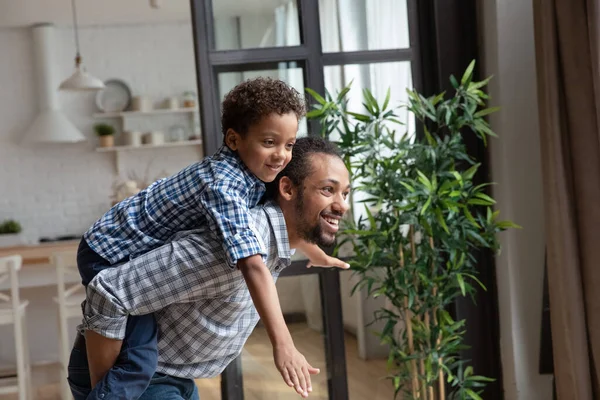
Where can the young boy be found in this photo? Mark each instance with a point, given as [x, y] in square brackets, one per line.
[259, 123]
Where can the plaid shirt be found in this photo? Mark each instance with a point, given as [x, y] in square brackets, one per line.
[203, 308]
[217, 192]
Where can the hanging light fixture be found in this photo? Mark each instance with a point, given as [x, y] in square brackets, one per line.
[80, 80]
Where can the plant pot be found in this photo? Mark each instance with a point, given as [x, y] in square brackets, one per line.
[107, 141]
[11, 239]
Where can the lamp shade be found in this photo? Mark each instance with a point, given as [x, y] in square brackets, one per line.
[81, 81]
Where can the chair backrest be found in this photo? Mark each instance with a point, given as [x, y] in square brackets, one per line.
[66, 266]
[9, 267]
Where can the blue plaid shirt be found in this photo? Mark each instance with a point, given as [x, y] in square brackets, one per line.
[203, 309]
[218, 192]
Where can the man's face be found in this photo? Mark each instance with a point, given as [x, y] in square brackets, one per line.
[322, 200]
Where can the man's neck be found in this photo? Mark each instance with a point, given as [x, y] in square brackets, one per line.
[289, 215]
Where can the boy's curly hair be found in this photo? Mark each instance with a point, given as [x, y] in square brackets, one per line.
[256, 98]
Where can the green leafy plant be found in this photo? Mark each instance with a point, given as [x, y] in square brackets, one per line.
[104, 129]
[9, 226]
[423, 220]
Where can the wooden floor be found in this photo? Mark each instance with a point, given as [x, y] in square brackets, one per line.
[261, 378]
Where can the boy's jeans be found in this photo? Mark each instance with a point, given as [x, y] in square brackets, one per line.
[161, 387]
[136, 364]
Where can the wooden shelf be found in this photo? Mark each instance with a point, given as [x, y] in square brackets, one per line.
[150, 146]
[123, 114]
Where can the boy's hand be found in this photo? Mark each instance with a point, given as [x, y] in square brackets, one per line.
[327, 261]
[294, 369]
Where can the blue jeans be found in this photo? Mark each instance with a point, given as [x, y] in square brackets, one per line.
[136, 364]
[161, 387]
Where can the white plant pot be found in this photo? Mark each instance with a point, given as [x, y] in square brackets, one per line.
[11, 239]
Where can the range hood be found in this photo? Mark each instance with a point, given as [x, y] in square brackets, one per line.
[50, 124]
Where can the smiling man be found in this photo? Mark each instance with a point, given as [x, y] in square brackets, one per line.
[203, 308]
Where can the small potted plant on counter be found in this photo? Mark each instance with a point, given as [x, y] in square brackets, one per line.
[106, 134]
[10, 233]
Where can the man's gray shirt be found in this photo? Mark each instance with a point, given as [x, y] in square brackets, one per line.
[203, 308]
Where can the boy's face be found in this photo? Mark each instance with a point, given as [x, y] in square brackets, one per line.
[267, 146]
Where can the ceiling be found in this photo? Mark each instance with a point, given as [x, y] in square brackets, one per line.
[17, 13]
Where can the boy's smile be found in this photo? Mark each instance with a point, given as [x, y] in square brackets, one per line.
[267, 146]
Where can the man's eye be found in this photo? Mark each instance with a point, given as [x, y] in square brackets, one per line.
[328, 189]
[345, 195]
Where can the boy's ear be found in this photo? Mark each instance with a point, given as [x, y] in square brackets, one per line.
[232, 139]
[287, 190]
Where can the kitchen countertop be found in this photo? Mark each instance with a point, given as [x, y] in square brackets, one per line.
[39, 253]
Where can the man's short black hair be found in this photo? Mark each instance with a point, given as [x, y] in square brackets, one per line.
[300, 166]
[256, 98]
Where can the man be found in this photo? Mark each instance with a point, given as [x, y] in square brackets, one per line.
[203, 308]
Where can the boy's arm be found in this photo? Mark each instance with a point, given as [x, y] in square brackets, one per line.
[226, 205]
[291, 364]
[318, 258]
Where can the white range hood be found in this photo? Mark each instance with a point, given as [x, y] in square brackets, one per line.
[50, 125]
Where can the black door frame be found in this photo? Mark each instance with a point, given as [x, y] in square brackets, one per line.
[443, 37]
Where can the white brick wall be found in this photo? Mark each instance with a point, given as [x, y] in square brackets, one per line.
[63, 188]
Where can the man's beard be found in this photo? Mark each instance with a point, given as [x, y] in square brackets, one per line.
[311, 234]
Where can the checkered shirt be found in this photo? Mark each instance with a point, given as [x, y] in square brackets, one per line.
[203, 308]
[217, 192]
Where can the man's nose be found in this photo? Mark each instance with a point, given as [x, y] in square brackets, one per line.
[341, 204]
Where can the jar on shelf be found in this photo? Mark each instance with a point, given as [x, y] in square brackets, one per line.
[189, 99]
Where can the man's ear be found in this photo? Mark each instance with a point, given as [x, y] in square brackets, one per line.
[232, 139]
[287, 190]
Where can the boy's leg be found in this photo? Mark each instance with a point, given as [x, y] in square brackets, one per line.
[102, 353]
[79, 374]
[132, 372]
[132, 362]
[165, 387]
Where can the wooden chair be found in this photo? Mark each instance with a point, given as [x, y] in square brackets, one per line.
[12, 311]
[69, 299]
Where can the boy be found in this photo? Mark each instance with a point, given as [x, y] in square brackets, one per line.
[259, 122]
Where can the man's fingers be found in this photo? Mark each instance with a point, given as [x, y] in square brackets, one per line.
[341, 264]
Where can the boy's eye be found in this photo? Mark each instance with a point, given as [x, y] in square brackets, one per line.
[269, 142]
[289, 146]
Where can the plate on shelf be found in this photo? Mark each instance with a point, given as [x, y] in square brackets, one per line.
[115, 97]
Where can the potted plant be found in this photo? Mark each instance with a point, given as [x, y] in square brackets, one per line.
[10, 233]
[423, 219]
[106, 134]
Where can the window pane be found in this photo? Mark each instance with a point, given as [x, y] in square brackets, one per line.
[351, 25]
[254, 24]
[288, 72]
[378, 78]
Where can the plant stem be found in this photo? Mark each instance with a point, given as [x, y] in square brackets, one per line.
[413, 253]
[441, 384]
[409, 335]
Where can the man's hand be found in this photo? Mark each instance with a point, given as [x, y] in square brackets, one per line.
[327, 261]
[294, 369]
[318, 258]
